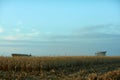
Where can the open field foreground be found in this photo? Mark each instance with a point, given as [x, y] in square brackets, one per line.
[60, 68]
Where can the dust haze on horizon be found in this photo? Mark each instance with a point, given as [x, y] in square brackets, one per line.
[59, 28]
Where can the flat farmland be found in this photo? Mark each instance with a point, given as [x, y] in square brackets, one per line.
[60, 68]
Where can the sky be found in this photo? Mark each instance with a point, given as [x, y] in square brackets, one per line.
[59, 27]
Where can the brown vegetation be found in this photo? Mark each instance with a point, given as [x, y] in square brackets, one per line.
[60, 68]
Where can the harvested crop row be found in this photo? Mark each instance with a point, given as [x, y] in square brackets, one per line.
[57, 68]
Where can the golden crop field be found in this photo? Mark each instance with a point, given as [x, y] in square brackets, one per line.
[60, 68]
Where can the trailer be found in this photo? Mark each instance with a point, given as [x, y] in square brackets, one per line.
[20, 55]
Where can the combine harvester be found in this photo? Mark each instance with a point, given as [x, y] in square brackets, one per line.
[101, 53]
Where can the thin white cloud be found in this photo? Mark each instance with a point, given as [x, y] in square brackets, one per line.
[1, 30]
[21, 36]
[33, 34]
[17, 30]
[10, 38]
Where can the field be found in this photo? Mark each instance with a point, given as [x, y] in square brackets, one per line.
[60, 68]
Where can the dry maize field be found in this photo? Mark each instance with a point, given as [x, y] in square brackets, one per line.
[60, 68]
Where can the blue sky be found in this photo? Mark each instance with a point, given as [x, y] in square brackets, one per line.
[59, 27]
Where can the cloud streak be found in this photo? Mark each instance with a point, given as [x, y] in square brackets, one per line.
[103, 29]
[100, 32]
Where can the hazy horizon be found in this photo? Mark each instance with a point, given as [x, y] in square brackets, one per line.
[58, 28]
